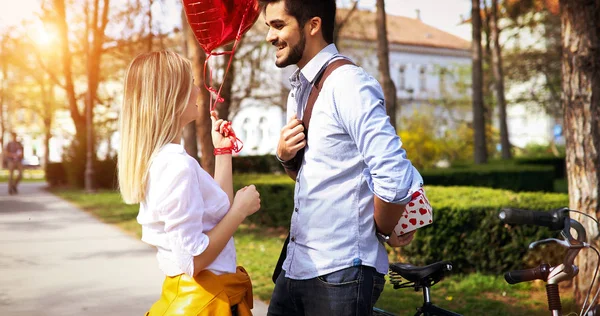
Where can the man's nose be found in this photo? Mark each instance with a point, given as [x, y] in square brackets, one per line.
[271, 36]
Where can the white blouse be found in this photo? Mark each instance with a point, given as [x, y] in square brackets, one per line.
[182, 203]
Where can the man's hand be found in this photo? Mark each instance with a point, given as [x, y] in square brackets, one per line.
[291, 139]
[399, 241]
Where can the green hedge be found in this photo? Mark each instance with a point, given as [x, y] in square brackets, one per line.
[510, 177]
[105, 174]
[267, 164]
[558, 163]
[276, 196]
[466, 228]
[523, 174]
[55, 174]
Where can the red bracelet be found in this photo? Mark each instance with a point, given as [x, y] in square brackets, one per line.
[222, 151]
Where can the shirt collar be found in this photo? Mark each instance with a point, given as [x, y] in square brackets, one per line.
[314, 66]
[173, 148]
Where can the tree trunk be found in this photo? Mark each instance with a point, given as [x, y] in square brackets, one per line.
[150, 34]
[190, 139]
[63, 29]
[4, 70]
[477, 78]
[94, 49]
[224, 108]
[47, 113]
[383, 55]
[486, 60]
[581, 104]
[499, 81]
[203, 123]
[339, 24]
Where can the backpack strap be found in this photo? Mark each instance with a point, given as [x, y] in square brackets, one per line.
[312, 98]
[316, 89]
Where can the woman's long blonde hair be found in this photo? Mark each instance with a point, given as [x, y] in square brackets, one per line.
[157, 89]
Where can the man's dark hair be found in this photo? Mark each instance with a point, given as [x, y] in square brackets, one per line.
[304, 10]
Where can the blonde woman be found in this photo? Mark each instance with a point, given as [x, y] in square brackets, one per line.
[186, 214]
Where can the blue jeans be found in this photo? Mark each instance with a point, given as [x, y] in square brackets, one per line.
[349, 292]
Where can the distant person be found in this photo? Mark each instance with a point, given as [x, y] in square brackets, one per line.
[14, 158]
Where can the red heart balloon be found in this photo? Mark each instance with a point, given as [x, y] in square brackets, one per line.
[218, 22]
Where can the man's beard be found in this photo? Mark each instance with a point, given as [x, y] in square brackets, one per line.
[296, 53]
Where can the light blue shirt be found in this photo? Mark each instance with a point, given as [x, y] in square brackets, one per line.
[353, 152]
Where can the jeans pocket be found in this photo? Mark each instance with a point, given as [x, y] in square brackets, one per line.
[342, 277]
[378, 285]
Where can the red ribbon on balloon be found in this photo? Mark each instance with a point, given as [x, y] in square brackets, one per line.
[216, 23]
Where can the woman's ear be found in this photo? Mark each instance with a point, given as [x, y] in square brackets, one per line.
[314, 25]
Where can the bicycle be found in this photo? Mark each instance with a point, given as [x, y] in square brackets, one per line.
[423, 278]
[558, 220]
[419, 278]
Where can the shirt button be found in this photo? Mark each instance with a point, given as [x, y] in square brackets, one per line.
[292, 95]
[293, 238]
[296, 210]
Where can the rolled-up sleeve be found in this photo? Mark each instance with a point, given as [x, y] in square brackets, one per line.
[359, 104]
[181, 208]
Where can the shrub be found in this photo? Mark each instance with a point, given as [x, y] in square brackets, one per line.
[75, 160]
[466, 228]
[558, 163]
[55, 174]
[510, 177]
[467, 231]
[276, 195]
[105, 174]
[257, 164]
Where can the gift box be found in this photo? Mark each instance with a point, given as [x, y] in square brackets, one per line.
[418, 213]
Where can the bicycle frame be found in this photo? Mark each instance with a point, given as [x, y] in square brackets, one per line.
[428, 309]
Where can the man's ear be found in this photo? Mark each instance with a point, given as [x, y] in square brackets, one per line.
[314, 25]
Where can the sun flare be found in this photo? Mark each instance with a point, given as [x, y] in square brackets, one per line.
[42, 35]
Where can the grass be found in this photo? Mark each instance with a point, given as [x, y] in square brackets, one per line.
[29, 175]
[258, 249]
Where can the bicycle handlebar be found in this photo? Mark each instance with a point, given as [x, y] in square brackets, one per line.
[554, 219]
[539, 273]
[557, 219]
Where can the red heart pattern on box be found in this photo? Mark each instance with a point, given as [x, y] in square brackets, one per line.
[418, 213]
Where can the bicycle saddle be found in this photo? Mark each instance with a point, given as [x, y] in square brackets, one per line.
[429, 274]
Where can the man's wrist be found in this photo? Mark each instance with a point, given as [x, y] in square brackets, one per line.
[287, 164]
[281, 160]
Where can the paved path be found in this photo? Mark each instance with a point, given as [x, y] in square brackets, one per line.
[56, 260]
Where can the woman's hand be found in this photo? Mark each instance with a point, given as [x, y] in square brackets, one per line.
[220, 135]
[246, 201]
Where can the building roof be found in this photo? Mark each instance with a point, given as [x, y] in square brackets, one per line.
[401, 30]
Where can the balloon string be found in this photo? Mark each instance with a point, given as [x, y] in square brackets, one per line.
[236, 143]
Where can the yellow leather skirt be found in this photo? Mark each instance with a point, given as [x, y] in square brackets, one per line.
[205, 294]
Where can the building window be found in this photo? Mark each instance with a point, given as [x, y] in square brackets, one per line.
[245, 130]
[264, 129]
[402, 78]
[423, 79]
[443, 75]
